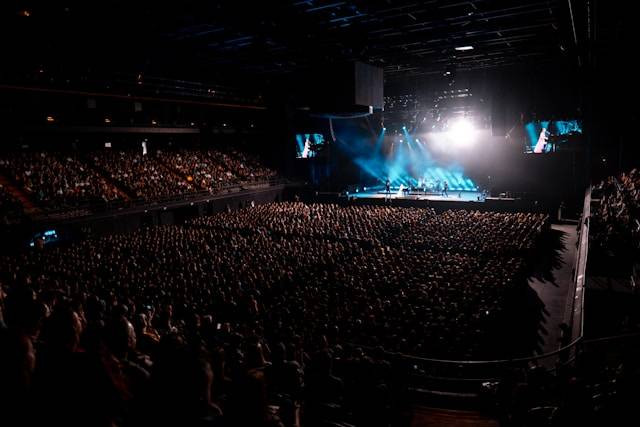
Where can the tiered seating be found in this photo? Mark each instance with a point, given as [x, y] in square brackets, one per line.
[198, 167]
[143, 176]
[213, 170]
[57, 180]
[68, 181]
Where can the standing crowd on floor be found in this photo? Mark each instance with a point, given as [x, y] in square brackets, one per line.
[275, 315]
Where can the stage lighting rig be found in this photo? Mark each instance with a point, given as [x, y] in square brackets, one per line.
[461, 132]
[450, 74]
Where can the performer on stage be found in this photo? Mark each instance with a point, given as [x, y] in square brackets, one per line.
[543, 139]
[306, 152]
[445, 187]
[387, 187]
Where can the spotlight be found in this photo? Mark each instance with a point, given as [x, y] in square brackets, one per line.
[462, 132]
[384, 128]
[404, 128]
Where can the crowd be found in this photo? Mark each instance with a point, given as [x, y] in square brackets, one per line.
[243, 166]
[212, 170]
[58, 181]
[274, 315]
[615, 222]
[11, 210]
[198, 168]
[143, 176]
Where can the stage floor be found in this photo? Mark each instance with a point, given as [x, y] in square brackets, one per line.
[454, 196]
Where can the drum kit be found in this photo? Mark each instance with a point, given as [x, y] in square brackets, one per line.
[429, 186]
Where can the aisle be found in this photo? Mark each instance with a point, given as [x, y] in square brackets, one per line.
[554, 283]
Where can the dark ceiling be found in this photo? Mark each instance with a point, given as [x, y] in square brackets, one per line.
[264, 38]
[403, 37]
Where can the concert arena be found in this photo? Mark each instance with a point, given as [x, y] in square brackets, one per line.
[353, 213]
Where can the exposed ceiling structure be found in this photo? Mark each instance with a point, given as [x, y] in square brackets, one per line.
[267, 38]
[404, 37]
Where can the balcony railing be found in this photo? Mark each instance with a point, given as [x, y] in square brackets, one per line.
[91, 208]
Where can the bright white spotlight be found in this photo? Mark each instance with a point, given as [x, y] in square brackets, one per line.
[462, 133]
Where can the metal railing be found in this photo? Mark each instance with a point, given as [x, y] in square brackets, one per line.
[579, 276]
[470, 374]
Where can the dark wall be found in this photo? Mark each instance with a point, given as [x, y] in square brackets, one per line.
[613, 88]
[85, 122]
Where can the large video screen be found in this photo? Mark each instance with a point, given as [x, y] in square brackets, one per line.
[309, 145]
[548, 136]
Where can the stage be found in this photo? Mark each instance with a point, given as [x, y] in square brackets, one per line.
[471, 200]
[453, 196]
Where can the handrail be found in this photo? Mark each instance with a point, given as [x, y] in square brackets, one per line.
[611, 338]
[477, 362]
[583, 249]
[574, 312]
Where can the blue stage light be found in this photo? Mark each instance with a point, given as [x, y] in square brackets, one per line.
[409, 165]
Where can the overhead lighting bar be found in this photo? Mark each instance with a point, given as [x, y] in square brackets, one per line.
[463, 48]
